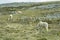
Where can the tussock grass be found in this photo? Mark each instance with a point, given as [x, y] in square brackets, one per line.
[14, 30]
[21, 28]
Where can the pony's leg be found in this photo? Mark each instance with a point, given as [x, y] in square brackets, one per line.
[47, 27]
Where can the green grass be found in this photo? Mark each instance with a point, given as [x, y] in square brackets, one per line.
[16, 29]
[13, 30]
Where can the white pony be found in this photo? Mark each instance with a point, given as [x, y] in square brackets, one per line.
[43, 24]
[10, 17]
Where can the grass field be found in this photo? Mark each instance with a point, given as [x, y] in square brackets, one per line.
[19, 30]
[21, 27]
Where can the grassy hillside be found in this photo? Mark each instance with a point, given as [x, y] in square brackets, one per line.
[21, 27]
[48, 7]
